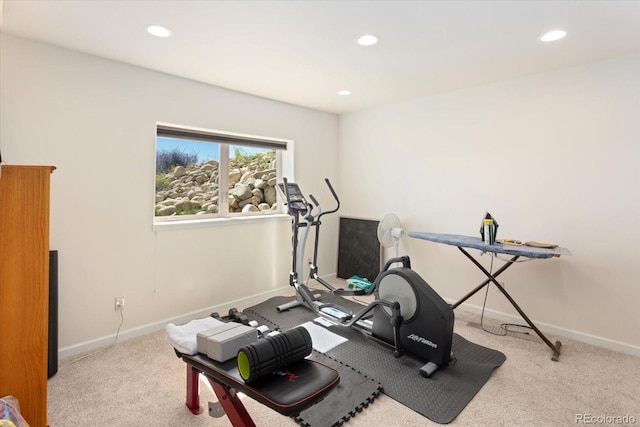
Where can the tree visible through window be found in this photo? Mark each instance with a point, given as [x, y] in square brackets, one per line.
[202, 174]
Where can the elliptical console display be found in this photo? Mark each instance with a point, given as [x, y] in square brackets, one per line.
[294, 197]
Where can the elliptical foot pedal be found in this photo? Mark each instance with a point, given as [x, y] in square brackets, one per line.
[336, 312]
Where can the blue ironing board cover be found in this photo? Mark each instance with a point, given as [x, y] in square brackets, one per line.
[498, 248]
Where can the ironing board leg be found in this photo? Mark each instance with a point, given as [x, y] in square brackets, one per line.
[193, 391]
[492, 278]
[233, 407]
[486, 282]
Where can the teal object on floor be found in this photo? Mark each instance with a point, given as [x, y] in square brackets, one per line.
[357, 282]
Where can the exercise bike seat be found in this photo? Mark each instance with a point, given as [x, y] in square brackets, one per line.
[287, 391]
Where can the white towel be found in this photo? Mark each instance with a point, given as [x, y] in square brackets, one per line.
[184, 338]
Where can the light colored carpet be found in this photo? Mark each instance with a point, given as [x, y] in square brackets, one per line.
[140, 382]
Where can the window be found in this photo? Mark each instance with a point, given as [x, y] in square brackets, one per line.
[210, 174]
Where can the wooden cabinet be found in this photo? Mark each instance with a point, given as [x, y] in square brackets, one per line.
[24, 287]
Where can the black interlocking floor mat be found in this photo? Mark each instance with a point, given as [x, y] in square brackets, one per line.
[354, 392]
[440, 398]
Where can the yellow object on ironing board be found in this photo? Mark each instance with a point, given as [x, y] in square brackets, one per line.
[510, 242]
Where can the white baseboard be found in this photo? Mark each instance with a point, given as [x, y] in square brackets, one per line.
[552, 329]
[160, 325]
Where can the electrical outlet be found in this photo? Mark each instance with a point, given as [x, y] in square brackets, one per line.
[119, 304]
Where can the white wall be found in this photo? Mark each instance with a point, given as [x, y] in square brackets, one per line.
[94, 119]
[554, 157]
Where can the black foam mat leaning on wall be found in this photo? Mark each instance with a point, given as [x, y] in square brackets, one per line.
[358, 249]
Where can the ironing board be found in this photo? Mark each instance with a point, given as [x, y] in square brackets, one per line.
[287, 391]
[462, 242]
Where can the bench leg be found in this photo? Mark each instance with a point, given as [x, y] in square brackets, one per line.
[193, 390]
[233, 407]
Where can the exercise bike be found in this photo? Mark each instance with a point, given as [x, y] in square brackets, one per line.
[406, 312]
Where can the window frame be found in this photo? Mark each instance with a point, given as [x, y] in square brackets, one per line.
[224, 139]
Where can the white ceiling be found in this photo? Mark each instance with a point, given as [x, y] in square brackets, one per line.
[303, 52]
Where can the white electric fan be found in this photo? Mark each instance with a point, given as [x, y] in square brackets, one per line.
[389, 231]
[394, 287]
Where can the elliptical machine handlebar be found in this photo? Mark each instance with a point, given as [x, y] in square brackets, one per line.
[406, 262]
[335, 196]
[317, 205]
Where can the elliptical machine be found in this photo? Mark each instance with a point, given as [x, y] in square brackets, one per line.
[407, 313]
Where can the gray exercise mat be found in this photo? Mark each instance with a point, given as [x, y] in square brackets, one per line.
[440, 398]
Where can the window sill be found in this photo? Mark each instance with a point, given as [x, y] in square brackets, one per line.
[216, 222]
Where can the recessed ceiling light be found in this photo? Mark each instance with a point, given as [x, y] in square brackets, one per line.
[553, 36]
[367, 40]
[344, 92]
[159, 31]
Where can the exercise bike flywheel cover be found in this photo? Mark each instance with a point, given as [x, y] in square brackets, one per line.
[395, 285]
